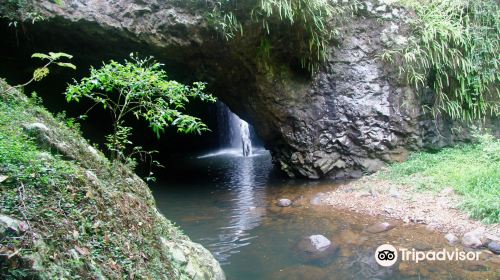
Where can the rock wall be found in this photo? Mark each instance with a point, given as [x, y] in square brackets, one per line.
[350, 118]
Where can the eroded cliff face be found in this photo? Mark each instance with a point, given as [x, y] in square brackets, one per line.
[353, 115]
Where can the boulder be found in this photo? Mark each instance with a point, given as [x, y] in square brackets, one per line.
[316, 248]
[494, 247]
[193, 259]
[318, 199]
[284, 202]
[472, 239]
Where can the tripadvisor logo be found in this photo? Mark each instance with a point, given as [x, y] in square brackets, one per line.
[387, 255]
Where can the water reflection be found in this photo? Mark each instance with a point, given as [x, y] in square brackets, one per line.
[244, 211]
[227, 203]
[236, 200]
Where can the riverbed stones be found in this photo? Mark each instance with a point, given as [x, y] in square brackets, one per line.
[494, 247]
[315, 248]
[318, 199]
[452, 239]
[472, 239]
[380, 227]
[284, 202]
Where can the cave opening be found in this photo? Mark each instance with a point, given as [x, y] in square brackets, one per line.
[17, 66]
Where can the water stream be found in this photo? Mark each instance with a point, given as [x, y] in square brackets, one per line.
[227, 202]
[235, 132]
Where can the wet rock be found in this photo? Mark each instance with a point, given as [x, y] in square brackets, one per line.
[284, 202]
[494, 247]
[366, 267]
[193, 259]
[319, 242]
[452, 239]
[315, 248]
[318, 199]
[472, 239]
[380, 227]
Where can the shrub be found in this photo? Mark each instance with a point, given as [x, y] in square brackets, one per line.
[139, 87]
[454, 51]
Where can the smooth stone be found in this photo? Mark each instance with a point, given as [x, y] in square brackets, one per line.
[284, 202]
[452, 239]
[380, 227]
[315, 247]
[494, 247]
[472, 240]
[320, 242]
[317, 199]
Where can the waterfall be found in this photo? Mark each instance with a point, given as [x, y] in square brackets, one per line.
[234, 132]
[246, 143]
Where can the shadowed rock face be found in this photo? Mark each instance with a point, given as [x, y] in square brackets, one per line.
[347, 119]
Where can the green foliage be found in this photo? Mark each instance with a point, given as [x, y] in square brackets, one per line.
[27, 170]
[299, 25]
[473, 170]
[18, 11]
[139, 87]
[42, 72]
[454, 51]
[78, 227]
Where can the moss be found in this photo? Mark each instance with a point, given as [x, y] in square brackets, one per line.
[86, 217]
[473, 170]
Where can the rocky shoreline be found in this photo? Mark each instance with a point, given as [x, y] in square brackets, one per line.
[437, 211]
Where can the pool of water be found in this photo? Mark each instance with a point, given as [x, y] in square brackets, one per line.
[228, 203]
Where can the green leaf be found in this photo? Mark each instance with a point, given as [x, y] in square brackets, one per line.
[40, 55]
[66, 64]
[57, 55]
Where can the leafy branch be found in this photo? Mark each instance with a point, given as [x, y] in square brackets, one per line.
[42, 72]
[140, 88]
